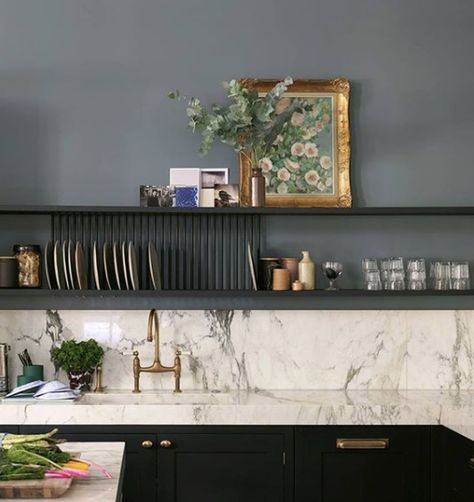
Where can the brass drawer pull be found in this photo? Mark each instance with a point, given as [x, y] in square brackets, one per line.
[166, 443]
[362, 444]
[471, 463]
[147, 443]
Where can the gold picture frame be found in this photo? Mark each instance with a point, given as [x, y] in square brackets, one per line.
[336, 91]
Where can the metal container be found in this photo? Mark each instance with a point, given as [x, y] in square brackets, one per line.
[257, 188]
[8, 272]
[4, 348]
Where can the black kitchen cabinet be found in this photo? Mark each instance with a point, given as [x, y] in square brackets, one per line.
[286, 464]
[362, 464]
[453, 467]
[214, 466]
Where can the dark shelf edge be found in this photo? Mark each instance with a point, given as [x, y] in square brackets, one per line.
[236, 300]
[268, 211]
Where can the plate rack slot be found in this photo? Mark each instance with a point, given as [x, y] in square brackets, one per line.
[199, 251]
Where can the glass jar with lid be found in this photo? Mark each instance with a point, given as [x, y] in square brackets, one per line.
[29, 265]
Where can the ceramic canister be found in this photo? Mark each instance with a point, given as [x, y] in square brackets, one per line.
[8, 272]
[281, 279]
[292, 265]
[306, 271]
[266, 266]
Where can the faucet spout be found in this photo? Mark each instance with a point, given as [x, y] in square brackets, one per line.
[153, 334]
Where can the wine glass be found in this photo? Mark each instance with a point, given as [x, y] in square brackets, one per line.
[332, 270]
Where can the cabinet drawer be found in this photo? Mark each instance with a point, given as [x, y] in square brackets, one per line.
[362, 464]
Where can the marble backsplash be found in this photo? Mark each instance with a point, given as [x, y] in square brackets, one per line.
[265, 349]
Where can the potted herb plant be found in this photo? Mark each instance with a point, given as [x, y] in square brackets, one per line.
[78, 360]
[250, 123]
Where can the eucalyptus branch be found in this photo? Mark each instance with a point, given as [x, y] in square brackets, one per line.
[248, 124]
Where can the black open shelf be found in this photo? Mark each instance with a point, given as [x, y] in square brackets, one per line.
[346, 299]
[268, 211]
[218, 243]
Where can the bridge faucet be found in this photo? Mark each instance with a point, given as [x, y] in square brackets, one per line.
[153, 334]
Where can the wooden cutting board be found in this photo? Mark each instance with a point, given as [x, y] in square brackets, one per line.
[34, 488]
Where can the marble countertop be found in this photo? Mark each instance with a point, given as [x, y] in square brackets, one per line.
[96, 487]
[279, 407]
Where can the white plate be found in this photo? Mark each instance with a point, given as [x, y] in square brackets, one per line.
[95, 265]
[65, 265]
[71, 265]
[58, 266]
[116, 260]
[108, 267]
[49, 265]
[125, 265]
[154, 265]
[251, 266]
[133, 266]
[80, 261]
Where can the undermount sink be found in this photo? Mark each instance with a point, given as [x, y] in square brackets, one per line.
[158, 397]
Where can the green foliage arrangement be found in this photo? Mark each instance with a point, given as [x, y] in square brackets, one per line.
[249, 123]
[77, 356]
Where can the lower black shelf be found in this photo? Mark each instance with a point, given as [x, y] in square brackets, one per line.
[346, 299]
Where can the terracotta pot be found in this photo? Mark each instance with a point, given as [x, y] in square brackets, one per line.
[80, 380]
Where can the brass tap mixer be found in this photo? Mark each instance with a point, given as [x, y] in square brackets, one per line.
[153, 332]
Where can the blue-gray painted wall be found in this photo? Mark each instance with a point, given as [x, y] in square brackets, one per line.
[84, 117]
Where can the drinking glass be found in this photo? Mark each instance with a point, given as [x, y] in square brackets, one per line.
[372, 280]
[369, 264]
[395, 280]
[460, 275]
[416, 280]
[416, 265]
[332, 270]
[440, 275]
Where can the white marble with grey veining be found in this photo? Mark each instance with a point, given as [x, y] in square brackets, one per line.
[96, 486]
[278, 407]
[248, 350]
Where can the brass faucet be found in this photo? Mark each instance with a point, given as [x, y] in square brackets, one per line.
[154, 332]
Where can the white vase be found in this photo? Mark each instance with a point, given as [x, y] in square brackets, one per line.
[306, 273]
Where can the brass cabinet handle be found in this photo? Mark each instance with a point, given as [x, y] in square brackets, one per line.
[166, 443]
[147, 443]
[471, 463]
[362, 444]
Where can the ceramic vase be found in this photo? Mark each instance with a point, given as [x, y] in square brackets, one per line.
[306, 271]
[80, 380]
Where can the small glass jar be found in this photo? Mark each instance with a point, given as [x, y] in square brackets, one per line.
[29, 265]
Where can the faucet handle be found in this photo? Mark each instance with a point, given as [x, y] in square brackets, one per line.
[180, 352]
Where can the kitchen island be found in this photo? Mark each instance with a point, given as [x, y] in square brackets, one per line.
[96, 487]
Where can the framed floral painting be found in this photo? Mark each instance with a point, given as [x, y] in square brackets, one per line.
[308, 164]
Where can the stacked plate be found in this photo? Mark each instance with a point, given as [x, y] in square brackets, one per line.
[64, 265]
[114, 266]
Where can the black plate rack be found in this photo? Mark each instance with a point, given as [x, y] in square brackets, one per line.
[197, 251]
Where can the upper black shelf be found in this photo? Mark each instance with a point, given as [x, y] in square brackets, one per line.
[268, 211]
[42, 299]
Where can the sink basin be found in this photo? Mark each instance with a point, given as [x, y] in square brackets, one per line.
[158, 397]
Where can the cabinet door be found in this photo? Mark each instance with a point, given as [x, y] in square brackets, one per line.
[456, 461]
[139, 482]
[221, 467]
[362, 464]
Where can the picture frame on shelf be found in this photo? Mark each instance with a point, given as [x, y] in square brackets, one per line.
[226, 196]
[309, 162]
[186, 177]
[210, 177]
[157, 195]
